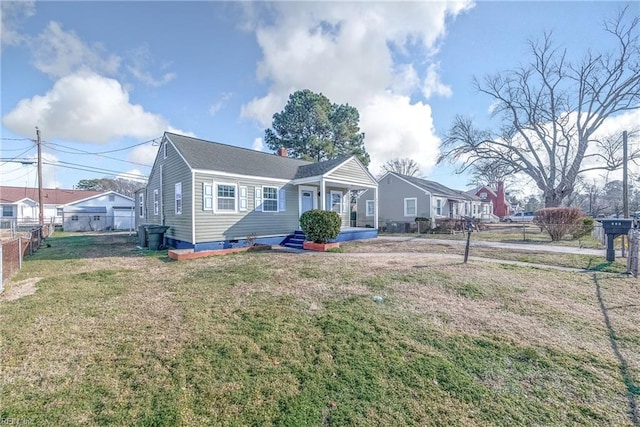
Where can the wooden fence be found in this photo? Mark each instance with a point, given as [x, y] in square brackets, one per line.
[13, 250]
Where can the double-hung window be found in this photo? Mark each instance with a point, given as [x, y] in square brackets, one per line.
[7, 211]
[410, 206]
[269, 199]
[439, 207]
[156, 202]
[226, 198]
[371, 205]
[336, 201]
[178, 198]
[141, 204]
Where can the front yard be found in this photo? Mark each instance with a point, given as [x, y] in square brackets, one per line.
[118, 336]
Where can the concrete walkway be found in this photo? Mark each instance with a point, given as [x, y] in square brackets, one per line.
[501, 245]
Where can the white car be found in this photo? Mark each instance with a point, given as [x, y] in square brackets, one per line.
[521, 217]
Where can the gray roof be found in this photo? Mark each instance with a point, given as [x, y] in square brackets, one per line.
[435, 187]
[85, 209]
[207, 155]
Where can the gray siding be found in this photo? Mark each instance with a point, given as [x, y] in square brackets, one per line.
[173, 170]
[352, 172]
[362, 220]
[391, 194]
[213, 226]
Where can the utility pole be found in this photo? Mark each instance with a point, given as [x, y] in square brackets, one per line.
[40, 205]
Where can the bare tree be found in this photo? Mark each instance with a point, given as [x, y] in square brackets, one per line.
[551, 111]
[404, 166]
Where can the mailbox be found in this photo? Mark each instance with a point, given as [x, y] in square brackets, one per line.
[614, 227]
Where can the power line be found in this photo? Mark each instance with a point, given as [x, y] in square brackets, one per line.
[19, 155]
[78, 151]
[93, 169]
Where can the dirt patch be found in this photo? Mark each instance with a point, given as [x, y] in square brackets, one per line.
[20, 289]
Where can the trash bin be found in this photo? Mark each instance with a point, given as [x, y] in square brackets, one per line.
[143, 239]
[155, 234]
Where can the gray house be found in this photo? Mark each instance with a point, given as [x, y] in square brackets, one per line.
[403, 198]
[214, 196]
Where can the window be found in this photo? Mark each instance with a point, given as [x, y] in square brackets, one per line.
[438, 207]
[74, 217]
[371, 206]
[164, 150]
[178, 198]
[7, 211]
[410, 207]
[59, 212]
[336, 201]
[483, 195]
[156, 202]
[96, 217]
[226, 198]
[269, 199]
[112, 197]
[141, 204]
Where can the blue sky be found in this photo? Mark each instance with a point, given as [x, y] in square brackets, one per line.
[101, 79]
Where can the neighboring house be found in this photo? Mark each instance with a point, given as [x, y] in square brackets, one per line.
[403, 198]
[498, 197]
[20, 204]
[102, 212]
[214, 196]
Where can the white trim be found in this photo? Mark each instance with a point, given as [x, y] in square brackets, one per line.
[406, 199]
[243, 198]
[314, 197]
[177, 185]
[156, 201]
[215, 198]
[339, 193]
[366, 207]
[193, 208]
[316, 179]
[235, 175]
[140, 205]
[277, 199]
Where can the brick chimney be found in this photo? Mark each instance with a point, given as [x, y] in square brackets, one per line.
[282, 152]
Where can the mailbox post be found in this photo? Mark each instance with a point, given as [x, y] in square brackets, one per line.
[614, 227]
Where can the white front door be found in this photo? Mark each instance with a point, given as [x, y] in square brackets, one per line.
[306, 201]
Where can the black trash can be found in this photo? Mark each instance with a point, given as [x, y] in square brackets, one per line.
[155, 234]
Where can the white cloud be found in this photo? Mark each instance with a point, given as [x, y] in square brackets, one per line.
[220, 103]
[59, 53]
[12, 13]
[347, 51]
[432, 84]
[397, 128]
[84, 107]
[144, 154]
[140, 60]
[258, 144]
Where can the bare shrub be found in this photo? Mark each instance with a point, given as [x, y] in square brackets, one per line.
[558, 222]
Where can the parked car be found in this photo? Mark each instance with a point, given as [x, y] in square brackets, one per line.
[521, 217]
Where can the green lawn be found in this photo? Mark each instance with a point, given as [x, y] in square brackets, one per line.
[119, 336]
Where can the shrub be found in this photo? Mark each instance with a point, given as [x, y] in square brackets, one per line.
[558, 222]
[583, 227]
[320, 226]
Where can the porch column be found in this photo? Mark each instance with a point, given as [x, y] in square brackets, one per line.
[323, 202]
[375, 211]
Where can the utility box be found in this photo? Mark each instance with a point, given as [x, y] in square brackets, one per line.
[614, 227]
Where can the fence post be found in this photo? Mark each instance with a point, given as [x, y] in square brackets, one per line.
[634, 246]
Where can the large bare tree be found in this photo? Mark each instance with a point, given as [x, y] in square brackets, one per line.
[404, 166]
[551, 111]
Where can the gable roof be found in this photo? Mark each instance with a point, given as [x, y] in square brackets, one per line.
[208, 155]
[201, 154]
[432, 187]
[50, 196]
[101, 194]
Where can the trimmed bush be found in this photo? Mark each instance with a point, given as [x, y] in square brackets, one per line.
[558, 222]
[320, 226]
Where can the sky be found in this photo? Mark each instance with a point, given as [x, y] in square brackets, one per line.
[102, 81]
